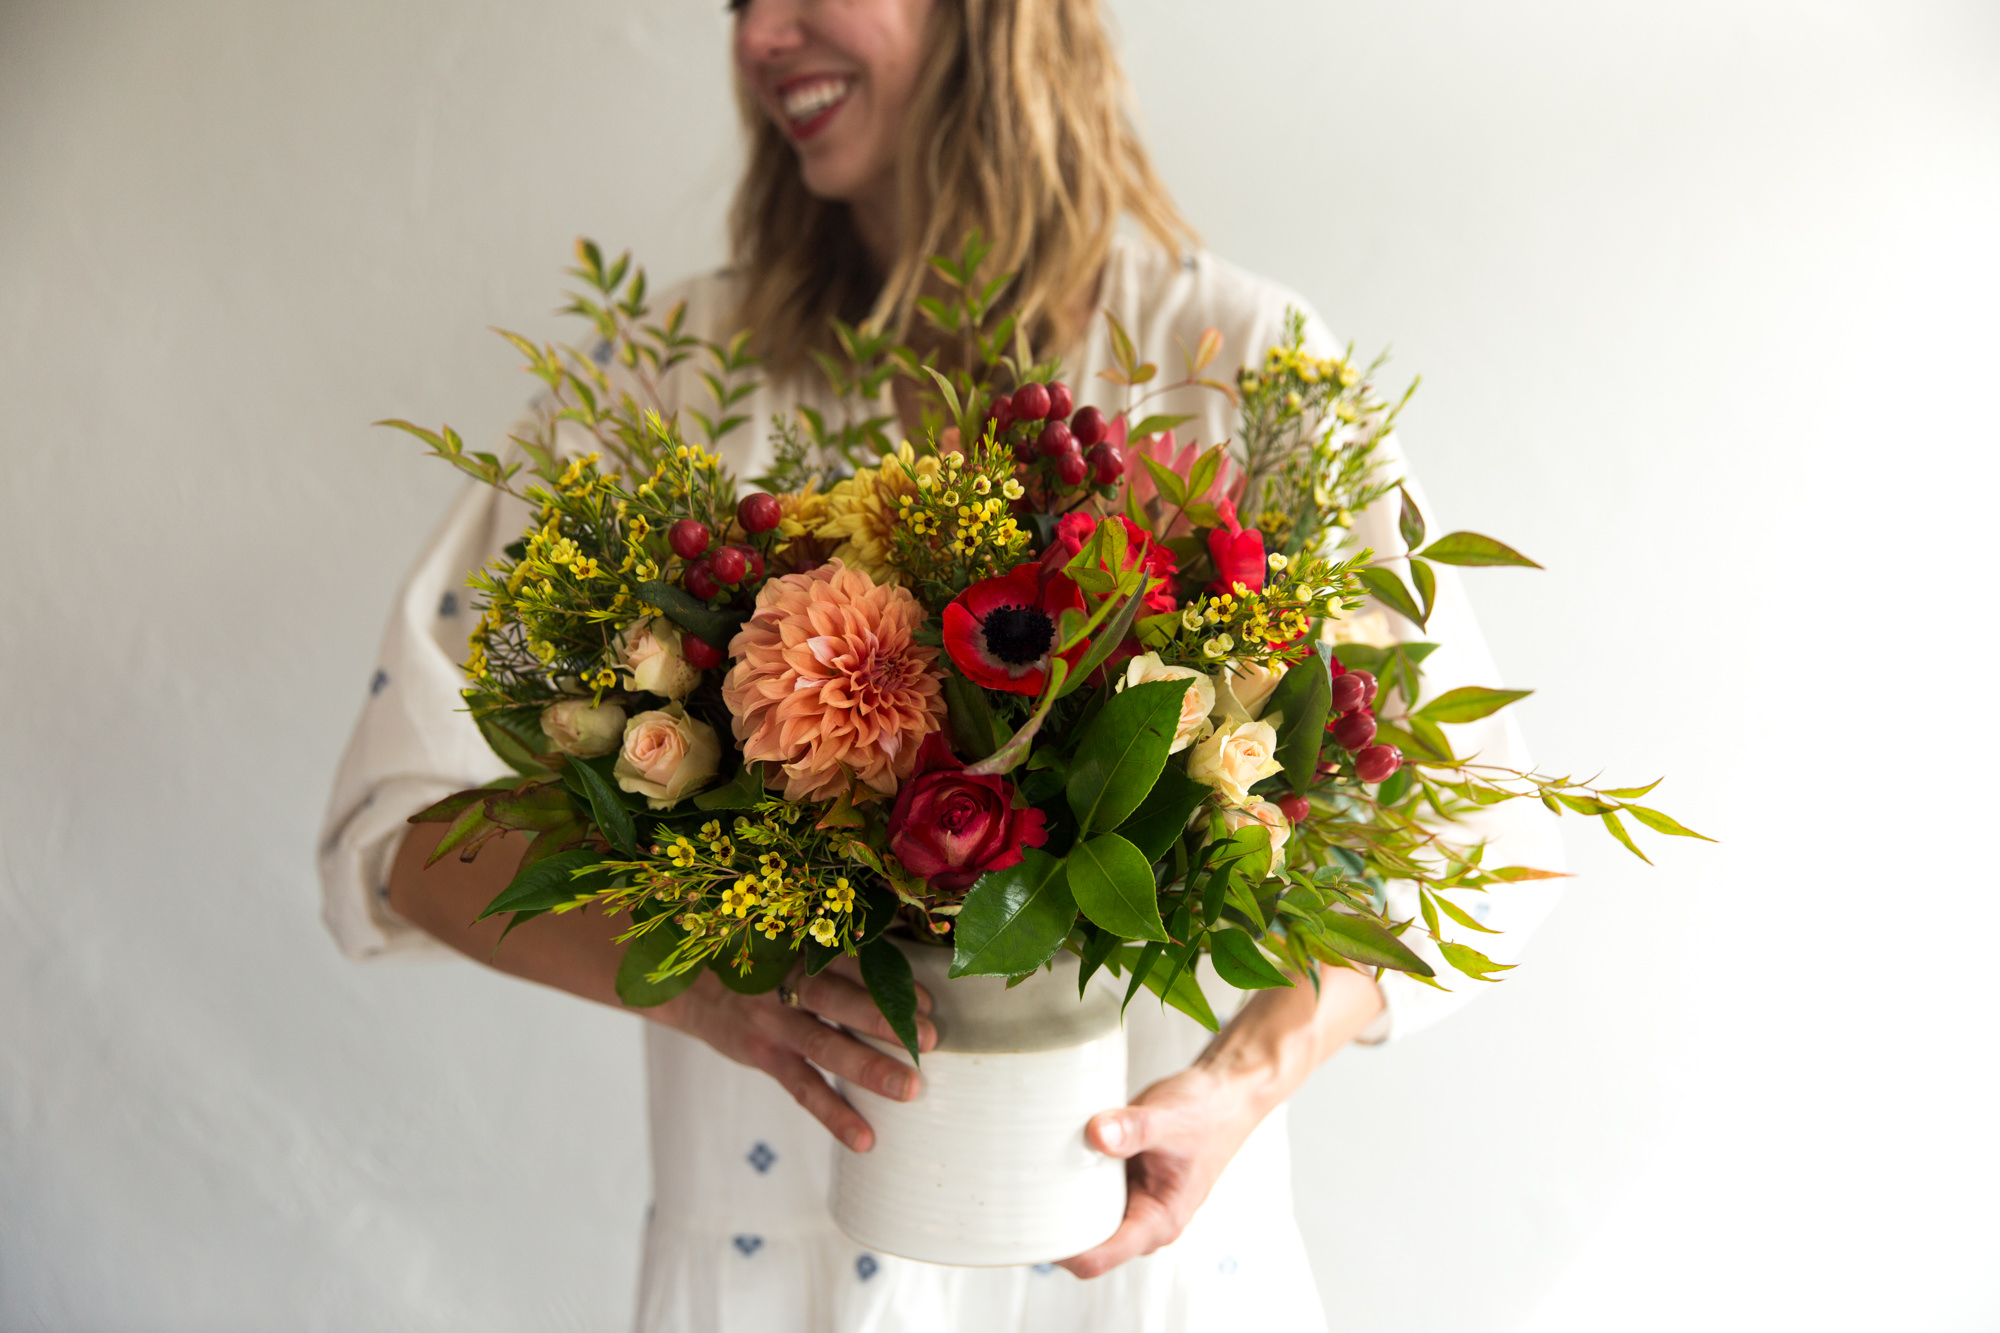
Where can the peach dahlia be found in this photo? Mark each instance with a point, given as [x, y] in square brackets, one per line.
[829, 681]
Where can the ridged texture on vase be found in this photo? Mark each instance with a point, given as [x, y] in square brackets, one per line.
[988, 1165]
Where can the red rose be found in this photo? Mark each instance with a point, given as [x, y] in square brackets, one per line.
[951, 827]
[1238, 553]
[1140, 548]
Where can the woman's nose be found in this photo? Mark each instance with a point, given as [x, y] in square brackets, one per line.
[769, 30]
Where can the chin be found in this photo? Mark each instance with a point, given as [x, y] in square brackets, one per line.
[835, 181]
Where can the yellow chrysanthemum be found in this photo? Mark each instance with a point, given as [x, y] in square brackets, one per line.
[863, 511]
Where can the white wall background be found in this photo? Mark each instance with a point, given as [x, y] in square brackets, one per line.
[1703, 293]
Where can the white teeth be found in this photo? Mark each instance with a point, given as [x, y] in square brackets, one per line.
[809, 99]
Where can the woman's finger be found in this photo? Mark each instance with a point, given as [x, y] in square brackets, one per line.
[1148, 1225]
[812, 1091]
[848, 1003]
[844, 1057]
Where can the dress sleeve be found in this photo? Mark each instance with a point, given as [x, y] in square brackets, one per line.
[414, 742]
[1517, 832]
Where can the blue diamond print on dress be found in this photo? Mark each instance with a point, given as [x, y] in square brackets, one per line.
[749, 1245]
[1227, 1266]
[378, 682]
[448, 604]
[601, 353]
[761, 1157]
[1045, 1269]
[865, 1267]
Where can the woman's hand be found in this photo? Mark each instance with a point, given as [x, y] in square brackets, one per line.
[1178, 1135]
[787, 1041]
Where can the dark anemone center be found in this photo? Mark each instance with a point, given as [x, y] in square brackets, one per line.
[1018, 635]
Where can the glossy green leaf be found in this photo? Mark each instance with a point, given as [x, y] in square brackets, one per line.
[1304, 696]
[1367, 941]
[1470, 548]
[741, 792]
[1167, 481]
[714, 627]
[1112, 882]
[971, 718]
[643, 956]
[886, 972]
[1468, 703]
[1157, 423]
[518, 752]
[1163, 816]
[1014, 919]
[770, 963]
[1386, 587]
[1121, 753]
[1410, 521]
[1424, 579]
[1179, 988]
[607, 807]
[1241, 963]
[546, 884]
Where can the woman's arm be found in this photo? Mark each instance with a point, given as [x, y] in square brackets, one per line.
[579, 952]
[1181, 1132]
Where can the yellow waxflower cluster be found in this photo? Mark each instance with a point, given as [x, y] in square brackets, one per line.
[1290, 362]
[955, 520]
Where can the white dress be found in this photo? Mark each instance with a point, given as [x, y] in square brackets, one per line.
[738, 1239]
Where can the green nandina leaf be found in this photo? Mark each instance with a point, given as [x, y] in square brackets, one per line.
[1470, 961]
[1167, 481]
[770, 963]
[1617, 829]
[1015, 919]
[1365, 940]
[1660, 823]
[1362, 657]
[536, 809]
[1122, 752]
[1304, 696]
[451, 807]
[1630, 793]
[1180, 989]
[643, 957]
[1112, 882]
[1422, 743]
[546, 884]
[713, 627]
[515, 750]
[467, 825]
[1425, 579]
[1387, 588]
[1469, 703]
[1410, 522]
[1460, 915]
[607, 807]
[1155, 424]
[1585, 804]
[1241, 963]
[1202, 475]
[1163, 816]
[893, 988]
[971, 718]
[1470, 548]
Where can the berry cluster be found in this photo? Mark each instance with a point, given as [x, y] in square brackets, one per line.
[718, 571]
[1066, 444]
[1353, 727]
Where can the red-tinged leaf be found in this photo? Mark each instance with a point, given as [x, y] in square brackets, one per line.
[1471, 548]
[1517, 874]
[1630, 793]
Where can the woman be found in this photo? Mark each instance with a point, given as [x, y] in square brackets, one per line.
[881, 131]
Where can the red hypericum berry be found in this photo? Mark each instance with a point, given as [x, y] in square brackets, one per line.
[1089, 426]
[1031, 402]
[755, 558]
[1107, 462]
[1349, 693]
[1024, 452]
[1354, 731]
[730, 567]
[1061, 400]
[1002, 412]
[1377, 763]
[759, 512]
[701, 654]
[1055, 440]
[689, 538]
[701, 582]
[1072, 469]
[1294, 808]
[1367, 687]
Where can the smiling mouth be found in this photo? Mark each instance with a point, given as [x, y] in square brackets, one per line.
[809, 103]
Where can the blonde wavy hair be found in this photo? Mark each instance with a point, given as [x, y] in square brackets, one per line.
[1018, 127]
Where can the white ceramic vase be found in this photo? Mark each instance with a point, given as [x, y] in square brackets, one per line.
[987, 1165]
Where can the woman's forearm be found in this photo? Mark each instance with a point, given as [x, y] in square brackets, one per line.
[575, 951]
[1279, 1037]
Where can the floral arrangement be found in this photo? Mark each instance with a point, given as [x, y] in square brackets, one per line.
[1028, 683]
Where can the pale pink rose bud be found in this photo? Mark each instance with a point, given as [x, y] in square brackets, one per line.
[1272, 818]
[666, 755]
[584, 729]
[1235, 758]
[654, 661]
[1242, 691]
